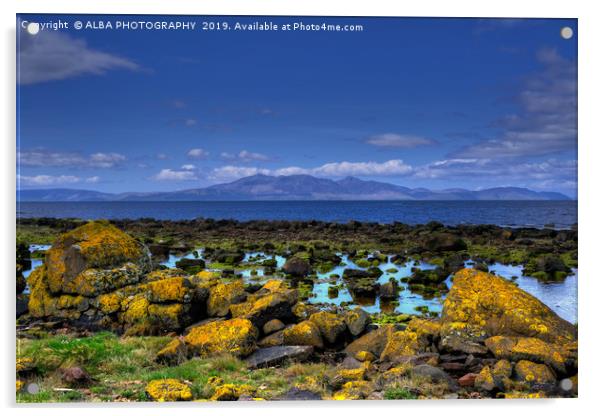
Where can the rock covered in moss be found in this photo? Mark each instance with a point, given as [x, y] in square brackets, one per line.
[297, 267]
[231, 392]
[401, 344]
[168, 390]
[331, 325]
[222, 295]
[304, 333]
[532, 349]
[534, 374]
[95, 258]
[373, 341]
[266, 307]
[496, 378]
[235, 336]
[500, 308]
[354, 390]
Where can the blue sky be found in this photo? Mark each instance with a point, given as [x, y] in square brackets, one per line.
[420, 102]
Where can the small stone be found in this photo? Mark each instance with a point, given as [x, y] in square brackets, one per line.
[467, 380]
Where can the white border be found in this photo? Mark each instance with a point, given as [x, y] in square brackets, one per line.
[590, 68]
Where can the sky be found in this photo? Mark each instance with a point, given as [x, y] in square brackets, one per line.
[420, 102]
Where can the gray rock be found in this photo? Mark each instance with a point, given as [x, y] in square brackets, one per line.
[266, 357]
[356, 320]
[299, 394]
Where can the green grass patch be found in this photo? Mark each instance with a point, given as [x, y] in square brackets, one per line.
[398, 393]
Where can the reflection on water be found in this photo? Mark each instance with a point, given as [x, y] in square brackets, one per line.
[330, 288]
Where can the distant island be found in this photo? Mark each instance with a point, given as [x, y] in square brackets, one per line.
[297, 188]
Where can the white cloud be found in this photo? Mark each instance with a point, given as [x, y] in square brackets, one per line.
[45, 180]
[245, 156]
[388, 168]
[50, 56]
[190, 122]
[531, 174]
[106, 160]
[197, 153]
[93, 179]
[189, 166]
[335, 169]
[175, 175]
[406, 141]
[47, 158]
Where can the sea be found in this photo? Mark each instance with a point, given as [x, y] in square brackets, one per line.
[538, 214]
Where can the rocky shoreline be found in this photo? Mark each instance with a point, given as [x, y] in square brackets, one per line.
[491, 340]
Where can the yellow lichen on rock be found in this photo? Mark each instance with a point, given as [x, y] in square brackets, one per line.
[95, 245]
[275, 286]
[222, 295]
[531, 373]
[365, 356]
[401, 344]
[231, 392]
[524, 395]
[304, 333]
[532, 349]
[235, 336]
[373, 341]
[175, 289]
[331, 325]
[352, 374]
[110, 302]
[24, 364]
[41, 302]
[168, 390]
[136, 309]
[353, 390]
[501, 308]
[164, 274]
[424, 328]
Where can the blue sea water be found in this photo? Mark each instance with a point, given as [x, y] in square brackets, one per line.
[562, 214]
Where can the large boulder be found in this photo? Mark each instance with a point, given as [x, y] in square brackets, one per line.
[373, 342]
[498, 307]
[93, 259]
[99, 277]
[304, 333]
[234, 336]
[222, 295]
[331, 325]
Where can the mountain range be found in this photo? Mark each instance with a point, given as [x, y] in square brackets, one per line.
[294, 187]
